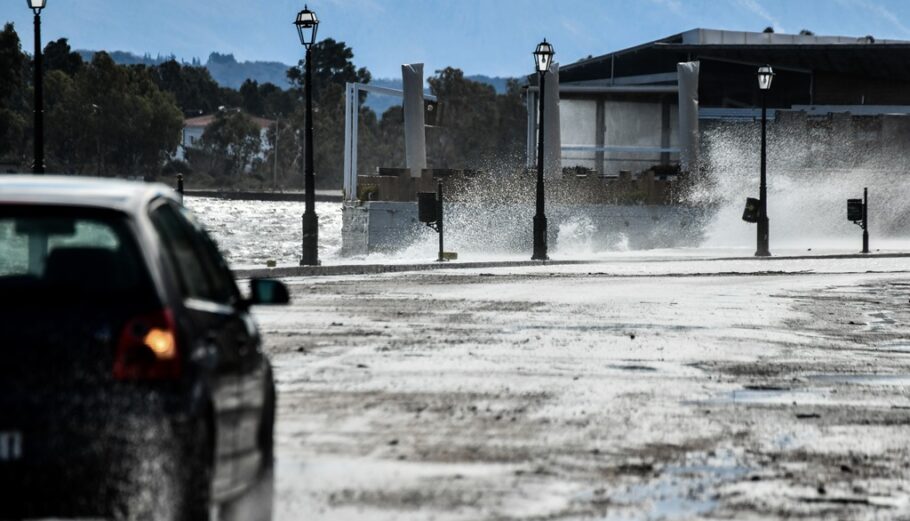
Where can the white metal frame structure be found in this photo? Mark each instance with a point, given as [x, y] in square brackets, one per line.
[351, 124]
[593, 90]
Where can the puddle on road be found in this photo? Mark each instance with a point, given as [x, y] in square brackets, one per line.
[777, 396]
[879, 321]
[766, 396]
[894, 347]
[633, 367]
[863, 379]
[682, 491]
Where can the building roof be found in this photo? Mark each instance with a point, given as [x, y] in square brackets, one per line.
[204, 121]
[865, 55]
[117, 194]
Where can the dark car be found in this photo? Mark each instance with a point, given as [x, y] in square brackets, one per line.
[132, 380]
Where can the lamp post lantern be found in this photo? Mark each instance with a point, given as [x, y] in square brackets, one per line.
[543, 57]
[38, 166]
[307, 24]
[765, 76]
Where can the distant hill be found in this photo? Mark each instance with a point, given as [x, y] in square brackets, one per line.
[128, 58]
[228, 72]
[380, 103]
[224, 68]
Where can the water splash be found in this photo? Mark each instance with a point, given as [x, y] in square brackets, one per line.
[810, 177]
[576, 236]
[809, 181]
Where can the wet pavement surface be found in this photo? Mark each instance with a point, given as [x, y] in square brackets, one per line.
[716, 390]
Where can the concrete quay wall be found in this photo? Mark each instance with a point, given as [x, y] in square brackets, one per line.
[377, 226]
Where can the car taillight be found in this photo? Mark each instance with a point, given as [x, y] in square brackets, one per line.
[147, 348]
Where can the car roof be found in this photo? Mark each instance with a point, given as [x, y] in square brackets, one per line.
[118, 194]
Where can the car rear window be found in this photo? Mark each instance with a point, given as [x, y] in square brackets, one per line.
[52, 251]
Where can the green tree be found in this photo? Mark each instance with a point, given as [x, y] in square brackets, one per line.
[512, 120]
[332, 65]
[480, 129]
[109, 119]
[58, 55]
[266, 100]
[284, 160]
[252, 99]
[470, 120]
[14, 107]
[332, 68]
[193, 88]
[232, 142]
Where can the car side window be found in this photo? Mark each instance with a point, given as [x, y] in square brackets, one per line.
[221, 276]
[199, 275]
[178, 245]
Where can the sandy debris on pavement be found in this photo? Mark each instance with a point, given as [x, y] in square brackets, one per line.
[578, 392]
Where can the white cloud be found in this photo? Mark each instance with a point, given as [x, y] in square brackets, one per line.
[371, 5]
[755, 8]
[882, 13]
[674, 6]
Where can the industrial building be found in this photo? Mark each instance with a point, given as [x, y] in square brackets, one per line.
[622, 111]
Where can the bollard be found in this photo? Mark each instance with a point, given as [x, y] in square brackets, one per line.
[180, 186]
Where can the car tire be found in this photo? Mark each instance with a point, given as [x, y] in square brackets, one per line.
[256, 504]
[195, 477]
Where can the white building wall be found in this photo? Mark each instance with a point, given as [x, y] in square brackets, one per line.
[578, 126]
[626, 124]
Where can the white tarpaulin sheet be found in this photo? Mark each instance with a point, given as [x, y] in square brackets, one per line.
[688, 115]
[415, 144]
[552, 140]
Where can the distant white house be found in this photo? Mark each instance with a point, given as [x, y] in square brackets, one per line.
[193, 128]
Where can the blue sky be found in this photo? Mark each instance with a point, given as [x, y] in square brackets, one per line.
[493, 37]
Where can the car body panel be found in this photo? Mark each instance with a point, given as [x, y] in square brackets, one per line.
[87, 425]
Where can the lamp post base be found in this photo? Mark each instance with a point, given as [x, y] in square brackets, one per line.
[310, 240]
[540, 238]
[762, 249]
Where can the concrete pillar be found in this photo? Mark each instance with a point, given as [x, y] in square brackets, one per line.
[552, 153]
[415, 142]
[600, 138]
[664, 129]
[687, 74]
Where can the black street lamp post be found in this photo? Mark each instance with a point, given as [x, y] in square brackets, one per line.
[866, 220]
[38, 166]
[543, 57]
[765, 75]
[307, 24]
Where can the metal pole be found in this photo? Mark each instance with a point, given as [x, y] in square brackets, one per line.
[865, 220]
[532, 126]
[310, 255]
[439, 219]
[540, 218]
[355, 135]
[762, 239]
[180, 186]
[37, 242]
[38, 165]
[275, 168]
[349, 194]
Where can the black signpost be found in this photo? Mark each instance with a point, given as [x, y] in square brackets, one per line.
[750, 214]
[858, 212]
[430, 212]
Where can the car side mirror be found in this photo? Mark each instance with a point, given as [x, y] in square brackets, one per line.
[268, 291]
